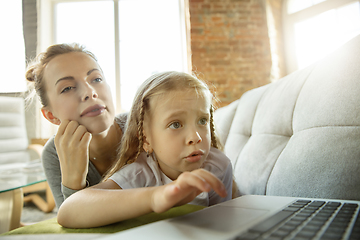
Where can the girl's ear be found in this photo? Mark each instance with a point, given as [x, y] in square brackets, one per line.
[146, 144]
[50, 117]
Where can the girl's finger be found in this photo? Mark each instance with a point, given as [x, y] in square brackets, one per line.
[212, 180]
[191, 180]
[206, 181]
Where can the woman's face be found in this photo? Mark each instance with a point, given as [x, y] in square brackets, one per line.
[77, 91]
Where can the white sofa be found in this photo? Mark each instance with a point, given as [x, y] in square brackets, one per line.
[13, 137]
[299, 136]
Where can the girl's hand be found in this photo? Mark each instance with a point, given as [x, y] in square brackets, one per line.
[183, 190]
[72, 145]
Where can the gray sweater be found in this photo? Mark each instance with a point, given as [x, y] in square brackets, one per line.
[51, 164]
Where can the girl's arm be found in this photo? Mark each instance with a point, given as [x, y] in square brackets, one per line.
[106, 203]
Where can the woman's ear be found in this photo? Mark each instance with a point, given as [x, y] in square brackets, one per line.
[50, 117]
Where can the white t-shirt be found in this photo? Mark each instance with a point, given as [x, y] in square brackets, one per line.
[145, 172]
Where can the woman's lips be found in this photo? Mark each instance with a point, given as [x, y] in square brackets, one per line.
[93, 111]
[195, 156]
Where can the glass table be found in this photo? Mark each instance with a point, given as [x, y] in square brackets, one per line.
[15, 180]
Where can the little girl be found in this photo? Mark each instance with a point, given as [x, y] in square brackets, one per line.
[168, 157]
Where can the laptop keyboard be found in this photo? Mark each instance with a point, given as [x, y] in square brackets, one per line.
[306, 219]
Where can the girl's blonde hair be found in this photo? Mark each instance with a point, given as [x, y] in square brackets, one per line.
[132, 142]
[35, 69]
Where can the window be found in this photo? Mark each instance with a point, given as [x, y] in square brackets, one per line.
[298, 5]
[12, 47]
[150, 42]
[132, 39]
[315, 28]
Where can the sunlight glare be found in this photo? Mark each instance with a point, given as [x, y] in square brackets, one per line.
[319, 36]
[12, 48]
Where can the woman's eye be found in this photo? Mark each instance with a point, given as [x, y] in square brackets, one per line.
[175, 125]
[66, 89]
[203, 121]
[98, 80]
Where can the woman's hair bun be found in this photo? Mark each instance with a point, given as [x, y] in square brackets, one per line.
[30, 74]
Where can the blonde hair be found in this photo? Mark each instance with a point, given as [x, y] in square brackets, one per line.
[132, 142]
[35, 69]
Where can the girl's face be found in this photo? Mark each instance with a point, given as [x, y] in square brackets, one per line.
[77, 91]
[178, 131]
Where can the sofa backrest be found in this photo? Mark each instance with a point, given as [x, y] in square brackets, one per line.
[299, 136]
[13, 136]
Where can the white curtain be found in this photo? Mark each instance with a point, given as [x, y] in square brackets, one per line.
[274, 22]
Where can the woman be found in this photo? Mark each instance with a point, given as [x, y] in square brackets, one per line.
[74, 94]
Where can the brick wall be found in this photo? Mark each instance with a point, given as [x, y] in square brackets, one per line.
[230, 45]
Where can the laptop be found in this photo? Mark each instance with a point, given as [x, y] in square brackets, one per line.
[258, 217]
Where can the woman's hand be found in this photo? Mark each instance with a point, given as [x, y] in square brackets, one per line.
[185, 188]
[72, 145]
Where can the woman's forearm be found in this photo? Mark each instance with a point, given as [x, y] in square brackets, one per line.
[94, 207]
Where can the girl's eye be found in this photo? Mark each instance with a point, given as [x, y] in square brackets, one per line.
[98, 80]
[175, 125]
[203, 121]
[66, 89]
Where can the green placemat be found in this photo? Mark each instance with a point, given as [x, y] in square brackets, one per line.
[51, 225]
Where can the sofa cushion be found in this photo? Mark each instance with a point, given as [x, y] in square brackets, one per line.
[300, 135]
[13, 136]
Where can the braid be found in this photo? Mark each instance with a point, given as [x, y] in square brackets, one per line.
[140, 129]
[214, 141]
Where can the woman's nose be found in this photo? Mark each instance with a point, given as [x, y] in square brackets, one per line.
[89, 93]
[194, 138]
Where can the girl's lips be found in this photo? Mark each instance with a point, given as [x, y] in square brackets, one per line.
[195, 156]
[93, 111]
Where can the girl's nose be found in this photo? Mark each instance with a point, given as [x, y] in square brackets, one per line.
[194, 138]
